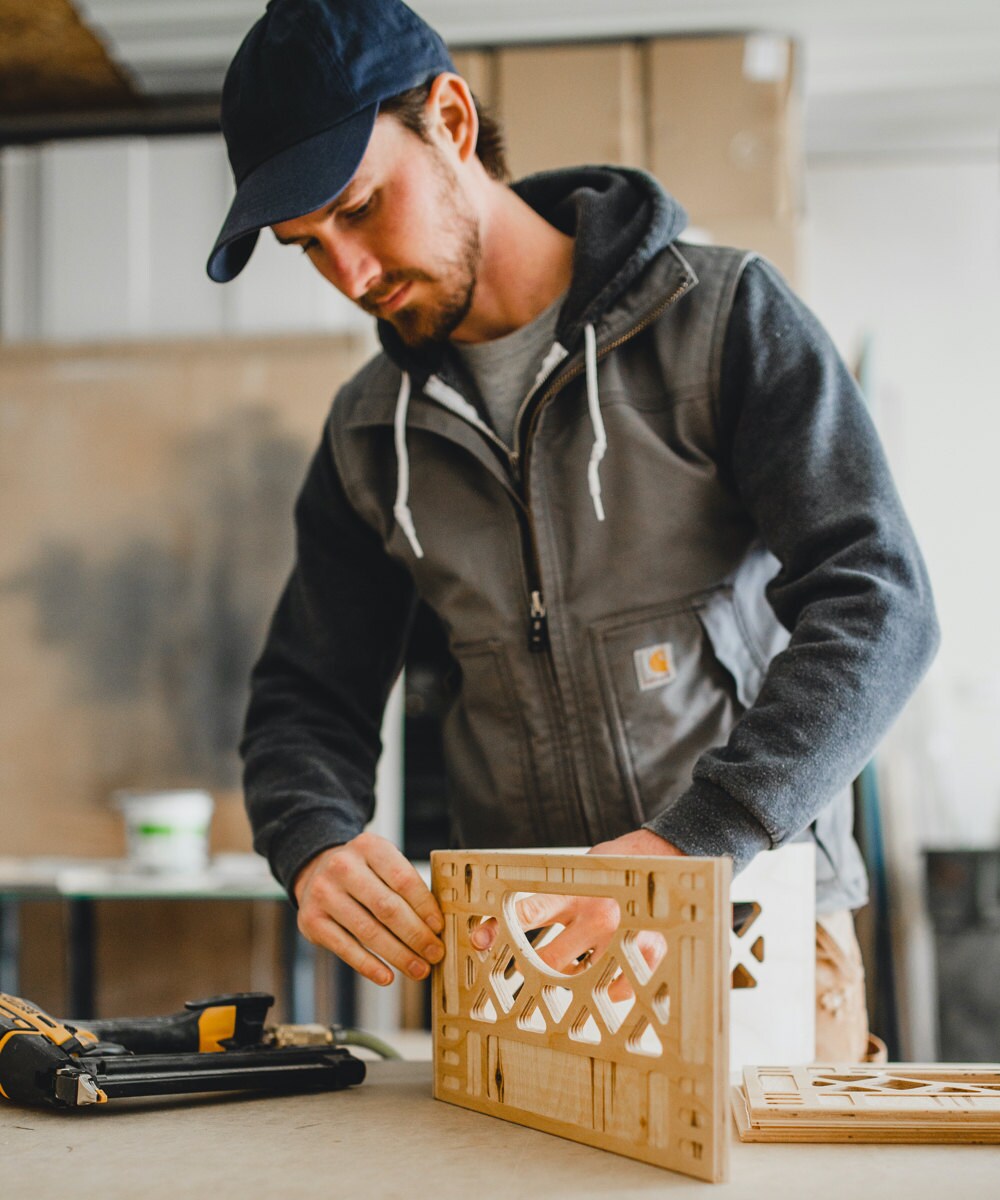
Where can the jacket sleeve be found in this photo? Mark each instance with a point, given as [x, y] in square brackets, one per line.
[852, 589]
[335, 646]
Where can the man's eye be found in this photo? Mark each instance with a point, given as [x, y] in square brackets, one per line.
[352, 214]
[311, 244]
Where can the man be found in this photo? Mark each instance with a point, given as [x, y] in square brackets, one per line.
[631, 476]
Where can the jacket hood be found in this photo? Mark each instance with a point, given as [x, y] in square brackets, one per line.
[619, 218]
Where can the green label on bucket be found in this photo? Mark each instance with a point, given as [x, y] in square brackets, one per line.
[168, 830]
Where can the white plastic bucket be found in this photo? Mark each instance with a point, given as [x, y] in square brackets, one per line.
[166, 831]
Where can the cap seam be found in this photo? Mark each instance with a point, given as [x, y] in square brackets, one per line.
[336, 66]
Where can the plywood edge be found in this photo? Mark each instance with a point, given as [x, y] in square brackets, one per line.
[893, 1102]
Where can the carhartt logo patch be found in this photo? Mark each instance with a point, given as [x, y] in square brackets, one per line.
[654, 665]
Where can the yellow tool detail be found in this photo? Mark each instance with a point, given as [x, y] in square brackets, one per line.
[216, 1025]
[31, 1019]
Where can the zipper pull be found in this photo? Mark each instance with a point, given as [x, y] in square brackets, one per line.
[538, 627]
[514, 459]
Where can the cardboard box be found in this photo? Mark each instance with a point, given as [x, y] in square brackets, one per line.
[566, 105]
[725, 125]
[478, 69]
[777, 240]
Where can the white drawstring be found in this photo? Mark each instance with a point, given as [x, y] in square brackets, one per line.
[401, 509]
[594, 404]
[549, 363]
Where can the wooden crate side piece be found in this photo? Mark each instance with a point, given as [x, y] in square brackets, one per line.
[516, 1040]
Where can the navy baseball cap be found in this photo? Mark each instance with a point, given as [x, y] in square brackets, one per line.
[299, 104]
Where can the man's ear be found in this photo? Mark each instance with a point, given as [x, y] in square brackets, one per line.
[451, 116]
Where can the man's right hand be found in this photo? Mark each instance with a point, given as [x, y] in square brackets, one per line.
[365, 902]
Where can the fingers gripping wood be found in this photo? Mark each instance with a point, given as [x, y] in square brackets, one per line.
[367, 904]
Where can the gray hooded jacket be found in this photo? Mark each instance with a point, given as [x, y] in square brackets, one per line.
[689, 599]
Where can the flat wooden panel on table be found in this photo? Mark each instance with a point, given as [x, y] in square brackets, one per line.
[862, 1102]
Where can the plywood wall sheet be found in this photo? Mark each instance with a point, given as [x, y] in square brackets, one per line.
[43, 960]
[566, 105]
[147, 494]
[645, 1076]
[51, 62]
[153, 955]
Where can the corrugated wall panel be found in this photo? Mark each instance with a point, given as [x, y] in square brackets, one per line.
[187, 197]
[87, 247]
[20, 234]
[107, 239]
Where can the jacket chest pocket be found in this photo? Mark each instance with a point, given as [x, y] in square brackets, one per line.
[674, 681]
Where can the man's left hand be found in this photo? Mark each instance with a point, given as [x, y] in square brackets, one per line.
[588, 922]
[640, 841]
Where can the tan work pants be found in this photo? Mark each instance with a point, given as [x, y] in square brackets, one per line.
[842, 1034]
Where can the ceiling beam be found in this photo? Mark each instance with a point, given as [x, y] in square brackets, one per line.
[185, 115]
[51, 62]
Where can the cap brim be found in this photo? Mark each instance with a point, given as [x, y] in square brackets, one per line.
[290, 184]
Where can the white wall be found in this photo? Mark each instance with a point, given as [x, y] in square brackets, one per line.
[907, 253]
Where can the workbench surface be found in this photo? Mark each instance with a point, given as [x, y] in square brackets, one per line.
[388, 1138]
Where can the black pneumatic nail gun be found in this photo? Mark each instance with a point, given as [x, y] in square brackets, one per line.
[215, 1045]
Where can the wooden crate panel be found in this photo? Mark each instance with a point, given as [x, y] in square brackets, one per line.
[645, 1077]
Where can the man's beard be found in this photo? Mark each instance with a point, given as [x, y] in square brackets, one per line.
[435, 320]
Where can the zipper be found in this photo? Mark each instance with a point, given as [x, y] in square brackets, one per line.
[515, 455]
[538, 624]
[538, 631]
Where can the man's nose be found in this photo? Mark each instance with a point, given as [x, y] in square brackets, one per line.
[349, 266]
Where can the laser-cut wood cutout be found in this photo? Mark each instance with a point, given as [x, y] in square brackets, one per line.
[899, 1102]
[645, 1077]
